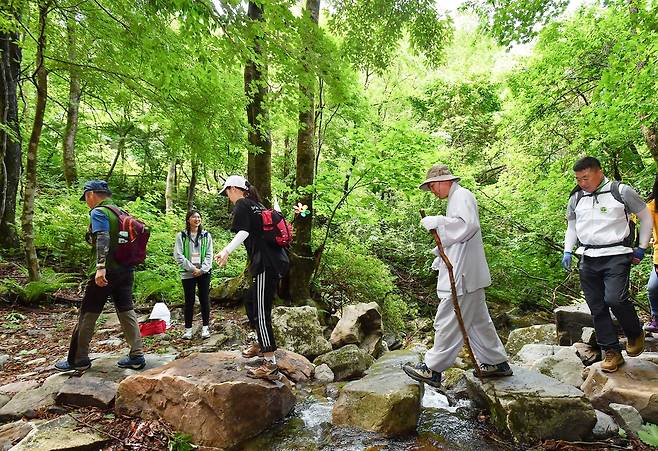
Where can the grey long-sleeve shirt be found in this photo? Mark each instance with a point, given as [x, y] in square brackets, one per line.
[187, 266]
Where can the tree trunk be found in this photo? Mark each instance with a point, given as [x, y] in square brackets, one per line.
[192, 188]
[651, 139]
[169, 190]
[259, 171]
[10, 142]
[68, 155]
[33, 148]
[302, 261]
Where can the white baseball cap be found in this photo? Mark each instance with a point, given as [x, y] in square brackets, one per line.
[234, 180]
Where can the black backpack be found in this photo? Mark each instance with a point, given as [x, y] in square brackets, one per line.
[633, 239]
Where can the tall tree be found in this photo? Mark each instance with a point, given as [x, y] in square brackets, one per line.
[302, 264]
[169, 188]
[255, 85]
[33, 148]
[75, 90]
[10, 140]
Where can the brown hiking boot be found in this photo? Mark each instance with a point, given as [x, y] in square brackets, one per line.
[268, 371]
[252, 351]
[635, 346]
[612, 361]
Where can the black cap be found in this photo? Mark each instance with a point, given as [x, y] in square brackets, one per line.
[98, 186]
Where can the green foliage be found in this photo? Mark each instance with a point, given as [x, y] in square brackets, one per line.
[39, 291]
[649, 434]
[181, 442]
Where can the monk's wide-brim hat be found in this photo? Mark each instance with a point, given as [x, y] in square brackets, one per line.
[437, 173]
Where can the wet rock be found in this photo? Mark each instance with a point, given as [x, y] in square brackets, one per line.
[27, 403]
[605, 426]
[209, 386]
[87, 392]
[570, 320]
[635, 383]
[62, 433]
[348, 362]
[384, 401]
[587, 354]
[19, 386]
[295, 366]
[627, 417]
[360, 324]
[534, 407]
[589, 336]
[323, 374]
[539, 334]
[393, 343]
[298, 329]
[12, 433]
[564, 365]
[230, 290]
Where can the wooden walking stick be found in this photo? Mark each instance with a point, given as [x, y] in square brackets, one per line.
[453, 290]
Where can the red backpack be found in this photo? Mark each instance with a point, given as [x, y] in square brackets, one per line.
[276, 229]
[133, 237]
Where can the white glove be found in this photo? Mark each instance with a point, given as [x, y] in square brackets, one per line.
[431, 222]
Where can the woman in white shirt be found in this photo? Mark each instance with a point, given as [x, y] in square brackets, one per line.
[193, 253]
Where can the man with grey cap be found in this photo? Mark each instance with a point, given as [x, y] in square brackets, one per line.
[460, 235]
[110, 279]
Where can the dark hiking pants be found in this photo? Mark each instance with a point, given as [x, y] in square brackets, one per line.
[120, 289]
[189, 285]
[605, 281]
[259, 308]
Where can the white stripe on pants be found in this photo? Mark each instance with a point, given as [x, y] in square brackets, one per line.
[448, 339]
[260, 305]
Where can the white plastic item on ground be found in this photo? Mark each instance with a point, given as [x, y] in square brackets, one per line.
[160, 311]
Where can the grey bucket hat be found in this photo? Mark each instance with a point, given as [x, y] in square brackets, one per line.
[437, 173]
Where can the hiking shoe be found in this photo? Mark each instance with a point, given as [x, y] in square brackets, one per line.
[635, 346]
[134, 363]
[187, 335]
[487, 370]
[64, 365]
[205, 333]
[613, 359]
[268, 371]
[422, 373]
[252, 351]
[653, 324]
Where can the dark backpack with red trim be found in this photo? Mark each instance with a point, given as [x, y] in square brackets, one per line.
[132, 240]
[276, 230]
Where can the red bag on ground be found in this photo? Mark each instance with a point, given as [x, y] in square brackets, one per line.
[152, 327]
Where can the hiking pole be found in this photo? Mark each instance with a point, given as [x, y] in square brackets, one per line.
[453, 290]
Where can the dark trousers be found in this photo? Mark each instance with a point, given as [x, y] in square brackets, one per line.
[605, 281]
[258, 306]
[203, 282]
[120, 289]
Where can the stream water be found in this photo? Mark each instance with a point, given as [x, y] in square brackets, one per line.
[441, 426]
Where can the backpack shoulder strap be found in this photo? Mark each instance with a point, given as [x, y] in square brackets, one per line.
[113, 208]
[579, 195]
[614, 190]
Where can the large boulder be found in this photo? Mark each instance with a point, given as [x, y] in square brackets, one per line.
[62, 433]
[635, 383]
[87, 392]
[348, 362]
[384, 401]
[298, 329]
[534, 407]
[230, 290]
[208, 396]
[27, 403]
[360, 324]
[563, 365]
[570, 320]
[104, 366]
[532, 352]
[539, 334]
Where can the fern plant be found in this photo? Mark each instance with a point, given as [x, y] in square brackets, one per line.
[649, 434]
